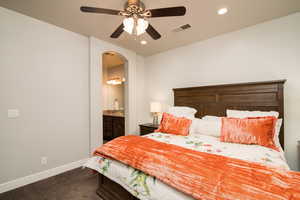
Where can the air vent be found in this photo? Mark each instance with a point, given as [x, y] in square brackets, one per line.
[182, 28]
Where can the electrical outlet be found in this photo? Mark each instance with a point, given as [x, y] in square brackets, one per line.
[44, 160]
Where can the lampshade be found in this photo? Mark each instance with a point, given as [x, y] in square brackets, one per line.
[135, 26]
[155, 107]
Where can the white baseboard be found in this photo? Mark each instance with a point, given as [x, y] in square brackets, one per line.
[4, 187]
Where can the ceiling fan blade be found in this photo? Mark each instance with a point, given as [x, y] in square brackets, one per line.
[168, 12]
[118, 32]
[99, 10]
[153, 33]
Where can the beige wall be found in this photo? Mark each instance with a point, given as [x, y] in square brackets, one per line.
[44, 73]
[105, 88]
[268, 51]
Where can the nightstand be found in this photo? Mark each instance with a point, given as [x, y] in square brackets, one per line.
[147, 128]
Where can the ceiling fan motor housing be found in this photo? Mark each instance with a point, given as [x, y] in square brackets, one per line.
[134, 7]
[133, 2]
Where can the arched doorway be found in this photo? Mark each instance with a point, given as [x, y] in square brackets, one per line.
[114, 95]
[97, 49]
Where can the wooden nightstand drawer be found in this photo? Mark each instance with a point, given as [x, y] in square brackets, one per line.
[147, 128]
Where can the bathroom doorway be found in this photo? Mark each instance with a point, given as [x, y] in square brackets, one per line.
[114, 87]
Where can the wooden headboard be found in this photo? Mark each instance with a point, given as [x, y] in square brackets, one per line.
[214, 100]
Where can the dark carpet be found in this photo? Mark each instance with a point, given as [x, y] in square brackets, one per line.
[78, 184]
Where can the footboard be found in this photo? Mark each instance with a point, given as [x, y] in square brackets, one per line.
[109, 190]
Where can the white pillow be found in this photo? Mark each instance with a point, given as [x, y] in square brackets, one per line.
[205, 127]
[245, 114]
[212, 118]
[180, 111]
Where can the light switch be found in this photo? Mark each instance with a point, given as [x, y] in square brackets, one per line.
[13, 113]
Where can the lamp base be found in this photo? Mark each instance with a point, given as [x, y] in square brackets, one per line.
[155, 119]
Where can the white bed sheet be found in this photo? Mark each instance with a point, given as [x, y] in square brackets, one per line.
[147, 187]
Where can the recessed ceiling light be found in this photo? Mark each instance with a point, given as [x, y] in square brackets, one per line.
[143, 42]
[223, 11]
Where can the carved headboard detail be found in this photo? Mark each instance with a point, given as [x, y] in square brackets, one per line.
[214, 100]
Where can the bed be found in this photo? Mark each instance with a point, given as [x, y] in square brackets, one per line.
[125, 183]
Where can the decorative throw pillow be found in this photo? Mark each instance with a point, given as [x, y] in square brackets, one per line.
[174, 125]
[245, 114]
[277, 133]
[259, 131]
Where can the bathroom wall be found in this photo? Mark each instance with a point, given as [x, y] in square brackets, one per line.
[112, 92]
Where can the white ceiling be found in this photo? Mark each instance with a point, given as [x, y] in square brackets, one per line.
[201, 14]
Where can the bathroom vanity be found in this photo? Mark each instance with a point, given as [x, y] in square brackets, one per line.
[113, 124]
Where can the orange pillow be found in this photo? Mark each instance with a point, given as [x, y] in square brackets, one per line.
[174, 125]
[259, 131]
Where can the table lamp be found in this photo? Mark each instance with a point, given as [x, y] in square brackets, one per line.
[155, 109]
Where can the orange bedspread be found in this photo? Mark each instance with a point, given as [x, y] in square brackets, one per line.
[202, 175]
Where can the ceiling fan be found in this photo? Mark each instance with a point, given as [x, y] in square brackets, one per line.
[136, 15]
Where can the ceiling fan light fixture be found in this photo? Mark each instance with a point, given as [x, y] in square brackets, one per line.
[141, 27]
[135, 26]
[136, 15]
[128, 25]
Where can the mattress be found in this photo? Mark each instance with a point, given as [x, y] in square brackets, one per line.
[146, 187]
